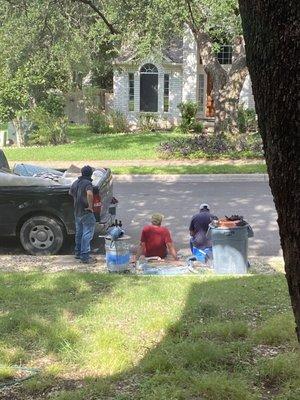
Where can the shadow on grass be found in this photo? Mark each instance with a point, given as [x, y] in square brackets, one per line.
[209, 352]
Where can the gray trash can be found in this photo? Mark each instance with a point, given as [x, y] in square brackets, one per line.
[230, 249]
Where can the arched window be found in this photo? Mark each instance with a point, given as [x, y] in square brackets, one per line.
[149, 69]
[149, 88]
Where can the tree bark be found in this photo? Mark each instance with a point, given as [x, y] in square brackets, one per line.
[227, 85]
[20, 133]
[271, 32]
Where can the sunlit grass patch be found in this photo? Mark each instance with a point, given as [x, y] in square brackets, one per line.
[6, 373]
[282, 368]
[279, 329]
[143, 338]
[219, 386]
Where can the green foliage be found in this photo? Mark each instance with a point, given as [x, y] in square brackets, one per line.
[48, 129]
[98, 122]
[246, 120]
[148, 122]
[188, 111]
[118, 122]
[213, 146]
[54, 104]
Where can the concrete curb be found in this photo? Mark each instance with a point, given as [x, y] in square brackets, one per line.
[193, 178]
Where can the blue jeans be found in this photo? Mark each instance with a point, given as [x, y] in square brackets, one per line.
[85, 228]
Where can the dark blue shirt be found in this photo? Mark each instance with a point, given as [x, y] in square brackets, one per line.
[78, 191]
[199, 226]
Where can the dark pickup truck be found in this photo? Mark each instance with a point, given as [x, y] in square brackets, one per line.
[36, 207]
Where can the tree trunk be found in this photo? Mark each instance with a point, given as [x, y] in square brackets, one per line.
[227, 86]
[20, 131]
[271, 31]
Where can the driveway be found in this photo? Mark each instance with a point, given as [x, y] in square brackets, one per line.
[178, 200]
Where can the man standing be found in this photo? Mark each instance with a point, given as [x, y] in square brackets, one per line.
[82, 193]
[156, 240]
[199, 227]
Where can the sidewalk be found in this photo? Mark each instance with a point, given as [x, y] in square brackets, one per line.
[138, 163]
[193, 178]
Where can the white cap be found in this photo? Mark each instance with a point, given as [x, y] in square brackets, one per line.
[204, 206]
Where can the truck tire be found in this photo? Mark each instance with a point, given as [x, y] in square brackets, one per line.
[42, 235]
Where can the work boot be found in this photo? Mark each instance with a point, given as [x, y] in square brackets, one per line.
[90, 260]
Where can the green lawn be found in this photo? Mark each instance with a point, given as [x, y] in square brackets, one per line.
[193, 169]
[90, 146]
[97, 336]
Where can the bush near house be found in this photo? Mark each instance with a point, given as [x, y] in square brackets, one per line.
[189, 121]
[48, 128]
[211, 146]
[102, 123]
[247, 120]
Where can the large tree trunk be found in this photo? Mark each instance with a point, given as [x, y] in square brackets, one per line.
[226, 100]
[227, 85]
[271, 31]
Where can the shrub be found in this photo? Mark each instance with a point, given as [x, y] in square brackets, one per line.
[98, 122]
[46, 128]
[118, 121]
[246, 120]
[148, 122]
[205, 145]
[188, 111]
[54, 104]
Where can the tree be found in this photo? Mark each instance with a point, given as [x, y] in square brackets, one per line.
[148, 25]
[42, 44]
[271, 30]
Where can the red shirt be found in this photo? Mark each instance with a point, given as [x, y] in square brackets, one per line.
[156, 239]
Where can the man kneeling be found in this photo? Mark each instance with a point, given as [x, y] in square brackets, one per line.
[156, 240]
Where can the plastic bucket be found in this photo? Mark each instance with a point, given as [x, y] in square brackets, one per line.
[202, 254]
[117, 255]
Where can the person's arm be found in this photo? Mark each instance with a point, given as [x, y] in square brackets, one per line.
[170, 246]
[90, 200]
[141, 250]
[172, 250]
[191, 228]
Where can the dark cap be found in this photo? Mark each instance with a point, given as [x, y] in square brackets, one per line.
[87, 171]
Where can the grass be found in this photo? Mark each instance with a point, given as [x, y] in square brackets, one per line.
[126, 338]
[192, 169]
[86, 145]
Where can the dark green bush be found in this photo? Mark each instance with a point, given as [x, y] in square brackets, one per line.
[54, 104]
[246, 120]
[98, 122]
[188, 111]
[46, 128]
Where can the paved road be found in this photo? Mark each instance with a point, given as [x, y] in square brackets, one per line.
[178, 198]
[178, 201]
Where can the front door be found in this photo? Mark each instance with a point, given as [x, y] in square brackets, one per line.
[210, 109]
[149, 93]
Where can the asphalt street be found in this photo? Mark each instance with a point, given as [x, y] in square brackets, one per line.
[178, 198]
[178, 201]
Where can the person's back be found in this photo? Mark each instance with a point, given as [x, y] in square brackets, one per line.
[199, 226]
[155, 239]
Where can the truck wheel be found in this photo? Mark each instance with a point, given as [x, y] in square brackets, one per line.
[42, 235]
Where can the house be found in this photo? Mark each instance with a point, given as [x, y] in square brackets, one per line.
[156, 88]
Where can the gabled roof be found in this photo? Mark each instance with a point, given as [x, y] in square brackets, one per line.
[172, 53]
